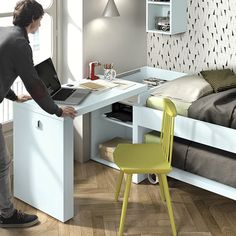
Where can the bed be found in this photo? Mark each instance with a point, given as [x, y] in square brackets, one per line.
[202, 133]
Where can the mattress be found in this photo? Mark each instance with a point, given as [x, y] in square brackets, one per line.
[156, 102]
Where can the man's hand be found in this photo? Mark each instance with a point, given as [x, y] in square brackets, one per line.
[68, 111]
[23, 98]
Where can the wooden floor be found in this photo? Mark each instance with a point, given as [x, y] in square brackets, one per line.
[197, 212]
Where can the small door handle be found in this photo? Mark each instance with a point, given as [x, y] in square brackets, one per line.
[39, 124]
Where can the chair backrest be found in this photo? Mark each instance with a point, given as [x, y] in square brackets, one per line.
[167, 129]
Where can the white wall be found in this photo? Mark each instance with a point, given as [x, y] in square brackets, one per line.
[120, 40]
[86, 36]
[72, 35]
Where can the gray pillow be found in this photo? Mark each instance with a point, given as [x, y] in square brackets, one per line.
[220, 79]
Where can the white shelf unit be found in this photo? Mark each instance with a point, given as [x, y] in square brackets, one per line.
[178, 15]
[127, 124]
[104, 129]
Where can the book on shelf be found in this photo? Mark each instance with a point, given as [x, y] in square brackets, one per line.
[154, 81]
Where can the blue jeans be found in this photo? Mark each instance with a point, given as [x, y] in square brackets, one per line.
[6, 205]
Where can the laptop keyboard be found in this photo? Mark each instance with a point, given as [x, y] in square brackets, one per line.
[63, 94]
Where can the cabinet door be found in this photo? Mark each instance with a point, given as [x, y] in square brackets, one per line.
[43, 162]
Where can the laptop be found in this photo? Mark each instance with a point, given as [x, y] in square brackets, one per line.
[67, 96]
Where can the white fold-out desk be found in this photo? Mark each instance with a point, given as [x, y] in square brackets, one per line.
[43, 151]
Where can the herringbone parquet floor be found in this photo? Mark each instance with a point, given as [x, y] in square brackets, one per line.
[197, 212]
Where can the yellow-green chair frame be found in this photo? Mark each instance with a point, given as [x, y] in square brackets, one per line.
[148, 158]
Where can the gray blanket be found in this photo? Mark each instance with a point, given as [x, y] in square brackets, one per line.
[217, 108]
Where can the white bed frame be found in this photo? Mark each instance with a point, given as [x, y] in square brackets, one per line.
[146, 119]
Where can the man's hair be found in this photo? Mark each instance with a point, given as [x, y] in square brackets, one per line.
[25, 11]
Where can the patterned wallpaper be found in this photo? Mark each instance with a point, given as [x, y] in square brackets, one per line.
[208, 43]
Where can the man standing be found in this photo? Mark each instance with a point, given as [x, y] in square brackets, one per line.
[16, 60]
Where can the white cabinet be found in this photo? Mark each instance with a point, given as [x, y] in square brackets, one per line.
[43, 160]
[166, 17]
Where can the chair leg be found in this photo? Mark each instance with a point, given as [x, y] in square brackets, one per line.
[125, 203]
[161, 189]
[120, 178]
[168, 203]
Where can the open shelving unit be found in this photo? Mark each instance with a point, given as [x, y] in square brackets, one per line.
[104, 129]
[127, 124]
[156, 11]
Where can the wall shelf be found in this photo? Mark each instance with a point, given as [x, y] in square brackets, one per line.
[159, 2]
[172, 12]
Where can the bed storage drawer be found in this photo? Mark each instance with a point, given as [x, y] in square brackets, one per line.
[212, 163]
[199, 159]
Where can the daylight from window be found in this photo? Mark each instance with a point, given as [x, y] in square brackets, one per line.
[41, 43]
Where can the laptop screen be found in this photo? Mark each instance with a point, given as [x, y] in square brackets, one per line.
[48, 75]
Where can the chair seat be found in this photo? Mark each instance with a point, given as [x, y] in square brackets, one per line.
[141, 158]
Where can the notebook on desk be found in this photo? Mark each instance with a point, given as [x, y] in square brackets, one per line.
[67, 96]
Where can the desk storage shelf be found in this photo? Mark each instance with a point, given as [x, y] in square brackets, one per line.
[166, 17]
[127, 124]
[104, 128]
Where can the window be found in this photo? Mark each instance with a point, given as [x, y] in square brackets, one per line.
[8, 6]
[43, 44]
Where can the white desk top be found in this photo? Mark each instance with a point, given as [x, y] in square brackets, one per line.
[98, 99]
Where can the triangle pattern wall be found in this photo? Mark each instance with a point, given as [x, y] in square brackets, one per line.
[208, 43]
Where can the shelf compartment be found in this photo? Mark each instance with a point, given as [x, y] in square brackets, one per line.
[156, 10]
[177, 16]
[159, 3]
[127, 124]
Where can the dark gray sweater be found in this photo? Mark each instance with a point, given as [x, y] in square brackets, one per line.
[16, 60]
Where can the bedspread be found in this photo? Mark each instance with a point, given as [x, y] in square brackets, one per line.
[218, 108]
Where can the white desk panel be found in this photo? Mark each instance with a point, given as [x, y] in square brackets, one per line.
[43, 152]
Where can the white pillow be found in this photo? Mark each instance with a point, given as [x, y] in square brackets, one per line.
[188, 88]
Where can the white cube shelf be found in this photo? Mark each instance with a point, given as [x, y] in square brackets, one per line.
[177, 15]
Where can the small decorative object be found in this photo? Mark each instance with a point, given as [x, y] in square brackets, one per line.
[92, 66]
[163, 22]
[109, 72]
[154, 81]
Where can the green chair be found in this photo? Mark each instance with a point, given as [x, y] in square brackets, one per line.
[148, 158]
